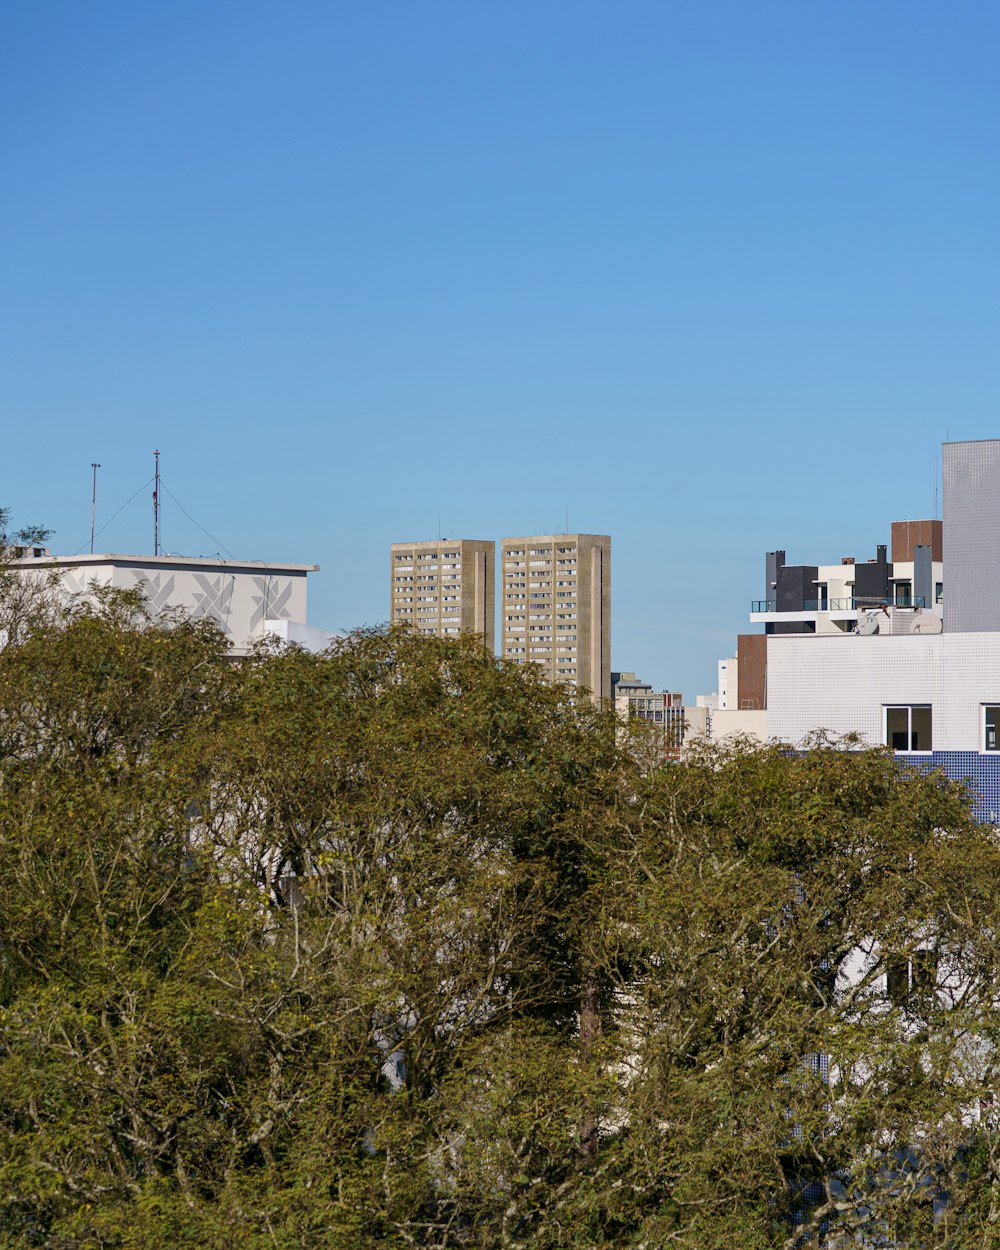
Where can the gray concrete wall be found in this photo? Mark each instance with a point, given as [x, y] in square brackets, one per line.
[971, 498]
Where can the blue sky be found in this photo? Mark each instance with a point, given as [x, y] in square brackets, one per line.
[715, 277]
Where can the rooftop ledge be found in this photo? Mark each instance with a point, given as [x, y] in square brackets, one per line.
[171, 561]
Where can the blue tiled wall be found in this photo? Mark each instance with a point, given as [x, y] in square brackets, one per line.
[981, 771]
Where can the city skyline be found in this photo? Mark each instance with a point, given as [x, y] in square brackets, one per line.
[709, 279]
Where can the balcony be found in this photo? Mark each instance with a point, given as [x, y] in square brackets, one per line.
[767, 609]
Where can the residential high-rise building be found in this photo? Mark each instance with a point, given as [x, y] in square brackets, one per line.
[444, 587]
[556, 607]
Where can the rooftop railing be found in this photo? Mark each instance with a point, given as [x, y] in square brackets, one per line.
[839, 605]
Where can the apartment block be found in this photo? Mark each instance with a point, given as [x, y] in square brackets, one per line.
[445, 587]
[556, 607]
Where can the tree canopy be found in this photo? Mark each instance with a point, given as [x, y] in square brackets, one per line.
[401, 946]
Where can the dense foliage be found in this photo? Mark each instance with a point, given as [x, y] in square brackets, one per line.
[399, 946]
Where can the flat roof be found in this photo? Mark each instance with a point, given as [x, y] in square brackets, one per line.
[200, 562]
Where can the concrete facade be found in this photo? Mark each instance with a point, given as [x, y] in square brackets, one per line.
[971, 498]
[444, 588]
[556, 607]
[242, 597]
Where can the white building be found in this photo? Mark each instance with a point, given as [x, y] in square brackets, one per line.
[247, 599]
[915, 664]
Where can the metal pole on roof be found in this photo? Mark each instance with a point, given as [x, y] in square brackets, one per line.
[93, 505]
[156, 504]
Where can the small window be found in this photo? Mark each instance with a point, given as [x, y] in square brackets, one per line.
[939, 592]
[912, 982]
[908, 728]
[991, 721]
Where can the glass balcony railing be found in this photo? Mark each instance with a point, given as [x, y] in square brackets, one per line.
[839, 605]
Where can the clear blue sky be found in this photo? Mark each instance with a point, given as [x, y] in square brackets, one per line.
[716, 277]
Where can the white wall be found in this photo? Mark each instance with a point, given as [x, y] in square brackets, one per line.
[238, 597]
[729, 682]
[842, 684]
[308, 637]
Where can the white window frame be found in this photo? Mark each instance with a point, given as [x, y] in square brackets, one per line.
[909, 707]
[983, 748]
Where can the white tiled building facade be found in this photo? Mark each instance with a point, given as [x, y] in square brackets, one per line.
[932, 696]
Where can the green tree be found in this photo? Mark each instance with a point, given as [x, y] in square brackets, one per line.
[401, 946]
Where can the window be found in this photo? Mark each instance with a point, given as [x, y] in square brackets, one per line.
[514, 551]
[541, 551]
[903, 594]
[912, 982]
[939, 592]
[991, 720]
[908, 728]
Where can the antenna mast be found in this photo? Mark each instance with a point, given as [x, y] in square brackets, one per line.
[93, 505]
[156, 505]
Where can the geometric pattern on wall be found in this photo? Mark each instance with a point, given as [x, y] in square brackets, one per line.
[272, 602]
[159, 590]
[214, 597]
[73, 583]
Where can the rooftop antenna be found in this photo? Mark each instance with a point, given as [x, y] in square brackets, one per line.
[156, 504]
[93, 505]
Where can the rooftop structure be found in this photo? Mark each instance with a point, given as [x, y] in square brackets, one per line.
[247, 599]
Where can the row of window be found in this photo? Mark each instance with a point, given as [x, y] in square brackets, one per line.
[427, 555]
[910, 727]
